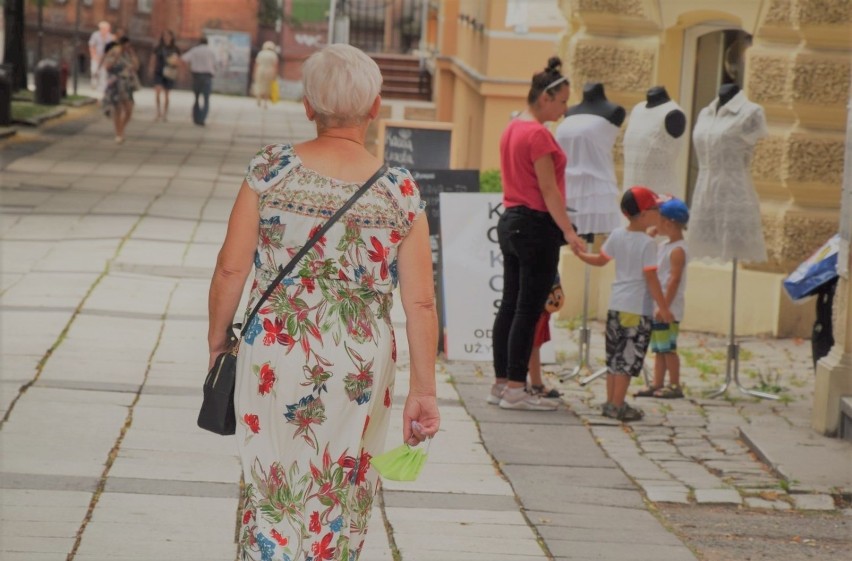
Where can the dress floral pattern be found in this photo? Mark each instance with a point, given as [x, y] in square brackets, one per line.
[315, 369]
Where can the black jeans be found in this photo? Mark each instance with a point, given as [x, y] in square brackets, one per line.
[530, 242]
[202, 84]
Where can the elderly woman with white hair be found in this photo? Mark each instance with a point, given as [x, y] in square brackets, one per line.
[265, 73]
[315, 369]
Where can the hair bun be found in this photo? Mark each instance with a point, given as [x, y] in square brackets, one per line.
[554, 64]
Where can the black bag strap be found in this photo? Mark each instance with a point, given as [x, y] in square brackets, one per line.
[307, 247]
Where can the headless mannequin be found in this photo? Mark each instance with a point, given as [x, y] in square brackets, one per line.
[675, 119]
[595, 103]
[726, 93]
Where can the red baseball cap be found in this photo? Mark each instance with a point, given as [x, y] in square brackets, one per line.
[638, 199]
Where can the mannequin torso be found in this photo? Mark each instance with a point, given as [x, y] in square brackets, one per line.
[675, 119]
[595, 103]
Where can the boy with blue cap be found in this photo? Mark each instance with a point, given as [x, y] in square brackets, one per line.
[671, 270]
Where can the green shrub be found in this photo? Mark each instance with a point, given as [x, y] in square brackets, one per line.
[489, 181]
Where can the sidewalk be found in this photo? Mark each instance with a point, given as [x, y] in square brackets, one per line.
[105, 256]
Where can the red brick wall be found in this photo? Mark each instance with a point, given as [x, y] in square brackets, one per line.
[233, 15]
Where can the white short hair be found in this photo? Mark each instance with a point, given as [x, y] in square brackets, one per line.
[341, 83]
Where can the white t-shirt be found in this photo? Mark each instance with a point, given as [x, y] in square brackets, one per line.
[99, 42]
[633, 253]
[201, 59]
[664, 270]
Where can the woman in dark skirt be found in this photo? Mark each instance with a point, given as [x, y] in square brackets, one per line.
[164, 63]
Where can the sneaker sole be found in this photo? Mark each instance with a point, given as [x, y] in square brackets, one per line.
[524, 406]
[492, 400]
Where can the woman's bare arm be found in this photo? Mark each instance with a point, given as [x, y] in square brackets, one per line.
[232, 268]
[545, 172]
[418, 299]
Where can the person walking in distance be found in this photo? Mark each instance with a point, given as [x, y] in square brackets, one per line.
[164, 68]
[530, 233]
[97, 48]
[631, 304]
[121, 67]
[265, 72]
[201, 61]
[316, 367]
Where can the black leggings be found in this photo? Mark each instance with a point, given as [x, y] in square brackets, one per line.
[530, 242]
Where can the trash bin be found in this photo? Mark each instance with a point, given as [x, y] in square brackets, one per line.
[5, 95]
[47, 88]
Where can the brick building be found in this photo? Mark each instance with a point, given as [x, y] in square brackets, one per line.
[143, 20]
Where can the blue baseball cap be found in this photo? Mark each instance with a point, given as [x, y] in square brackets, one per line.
[676, 210]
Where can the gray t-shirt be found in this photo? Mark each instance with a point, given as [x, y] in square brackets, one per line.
[634, 253]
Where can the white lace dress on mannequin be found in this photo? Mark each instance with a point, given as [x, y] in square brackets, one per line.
[590, 184]
[650, 152]
[725, 216]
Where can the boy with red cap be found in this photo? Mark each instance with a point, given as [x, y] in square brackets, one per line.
[634, 291]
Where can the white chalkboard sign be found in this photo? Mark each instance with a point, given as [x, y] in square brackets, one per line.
[416, 144]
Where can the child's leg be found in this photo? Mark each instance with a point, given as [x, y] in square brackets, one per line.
[535, 367]
[673, 366]
[620, 383]
[660, 366]
[610, 386]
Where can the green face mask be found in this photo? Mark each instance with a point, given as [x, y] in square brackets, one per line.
[403, 463]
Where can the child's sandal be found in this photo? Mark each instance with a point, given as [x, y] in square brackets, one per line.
[669, 392]
[647, 392]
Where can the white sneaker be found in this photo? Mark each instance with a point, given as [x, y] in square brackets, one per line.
[518, 398]
[496, 394]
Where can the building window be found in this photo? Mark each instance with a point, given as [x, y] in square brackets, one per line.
[144, 6]
[87, 3]
[114, 4]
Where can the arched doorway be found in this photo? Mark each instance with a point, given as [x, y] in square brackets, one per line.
[713, 54]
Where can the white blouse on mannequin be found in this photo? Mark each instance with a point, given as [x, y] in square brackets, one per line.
[725, 218]
[650, 152]
[590, 184]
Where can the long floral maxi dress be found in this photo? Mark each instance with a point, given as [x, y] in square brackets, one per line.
[316, 368]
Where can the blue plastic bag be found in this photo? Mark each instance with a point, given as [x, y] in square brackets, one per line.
[814, 271]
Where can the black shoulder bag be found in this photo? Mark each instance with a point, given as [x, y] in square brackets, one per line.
[217, 410]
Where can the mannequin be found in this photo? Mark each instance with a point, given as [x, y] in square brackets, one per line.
[587, 135]
[726, 92]
[653, 141]
[725, 222]
[675, 119]
[595, 103]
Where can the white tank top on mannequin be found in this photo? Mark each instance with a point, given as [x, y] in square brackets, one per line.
[650, 152]
[664, 270]
[590, 183]
[725, 218]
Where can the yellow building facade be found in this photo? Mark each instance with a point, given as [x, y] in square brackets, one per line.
[792, 57]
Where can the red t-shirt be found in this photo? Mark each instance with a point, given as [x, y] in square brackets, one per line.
[522, 143]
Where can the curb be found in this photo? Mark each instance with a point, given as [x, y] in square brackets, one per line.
[36, 121]
[6, 132]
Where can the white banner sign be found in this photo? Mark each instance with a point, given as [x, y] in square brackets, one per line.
[472, 274]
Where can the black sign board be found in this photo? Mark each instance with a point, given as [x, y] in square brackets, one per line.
[433, 182]
[417, 144]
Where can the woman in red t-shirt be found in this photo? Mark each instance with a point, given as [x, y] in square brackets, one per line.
[530, 232]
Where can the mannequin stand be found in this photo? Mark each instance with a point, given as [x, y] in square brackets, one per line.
[732, 363]
[585, 335]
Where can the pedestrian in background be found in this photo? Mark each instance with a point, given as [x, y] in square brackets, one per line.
[530, 232]
[164, 68]
[97, 48]
[121, 67]
[554, 303]
[631, 303]
[322, 349]
[265, 73]
[671, 270]
[202, 65]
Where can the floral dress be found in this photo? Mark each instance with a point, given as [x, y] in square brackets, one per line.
[121, 81]
[315, 369]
